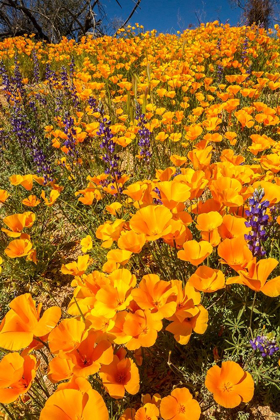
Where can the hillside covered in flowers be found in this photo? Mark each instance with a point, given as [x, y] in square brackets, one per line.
[140, 226]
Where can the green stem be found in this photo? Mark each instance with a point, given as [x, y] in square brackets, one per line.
[251, 315]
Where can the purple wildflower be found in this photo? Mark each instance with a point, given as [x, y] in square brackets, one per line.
[36, 71]
[258, 220]
[107, 144]
[265, 345]
[144, 134]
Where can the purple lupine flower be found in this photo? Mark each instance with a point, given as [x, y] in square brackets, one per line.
[72, 68]
[69, 87]
[267, 346]
[220, 68]
[5, 77]
[107, 144]
[64, 78]
[51, 77]
[23, 113]
[28, 141]
[144, 133]
[244, 50]
[157, 200]
[36, 71]
[274, 226]
[178, 172]
[93, 104]
[258, 220]
[109, 148]
[70, 131]
[17, 79]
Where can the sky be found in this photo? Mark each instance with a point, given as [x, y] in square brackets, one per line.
[169, 16]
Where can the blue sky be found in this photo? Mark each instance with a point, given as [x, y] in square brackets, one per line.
[172, 15]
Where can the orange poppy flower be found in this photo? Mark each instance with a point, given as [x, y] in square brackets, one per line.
[166, 174]
[60, 369]
[93, 352]
[178, 160]
[255, 277]
[119, 256]
[136, 191]
[231, 136]
[23, 323]
[148, 412]
[209, 221]
[195, 180]
[153, 221]
[109, 232]
[54, 194]
[193, 132]
[161, 136]
[18, 248]
[79, 383]
[119, 376]
[110, 266]
[89, 196]
[180, 405]
[245, 119]
[155, 399]
[233, 227]
[114, 208]
[3, 196]
[131, 241]
[16, 376]
[195, 252]
[67, 336]
[187, 299]
[271, 162]
[189, 314]
[235, 253]
[228, 155]
[17, 222]
[182, 330]
[138, 329]
[229, 384]
[116, 295]
[226, 190]
[31, 201]
[26, 181]
[208, 224]
[179, 232]
[84, 294]
[86, 243]
[206, 207]
[76, 268]
[172, 193]
[72, 404]
[154, 294]
[207, 280]
[200, 158]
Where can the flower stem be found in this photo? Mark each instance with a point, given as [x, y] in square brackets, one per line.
[251, 315]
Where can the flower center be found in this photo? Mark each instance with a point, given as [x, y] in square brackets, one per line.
[182, 408]
[121, 378]
[227, 387]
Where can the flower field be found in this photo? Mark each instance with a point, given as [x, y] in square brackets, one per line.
[140, 226]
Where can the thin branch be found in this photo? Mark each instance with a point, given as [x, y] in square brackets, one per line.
[32, 19]
[130, 16]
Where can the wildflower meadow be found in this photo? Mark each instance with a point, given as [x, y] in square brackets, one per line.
[140, 226]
